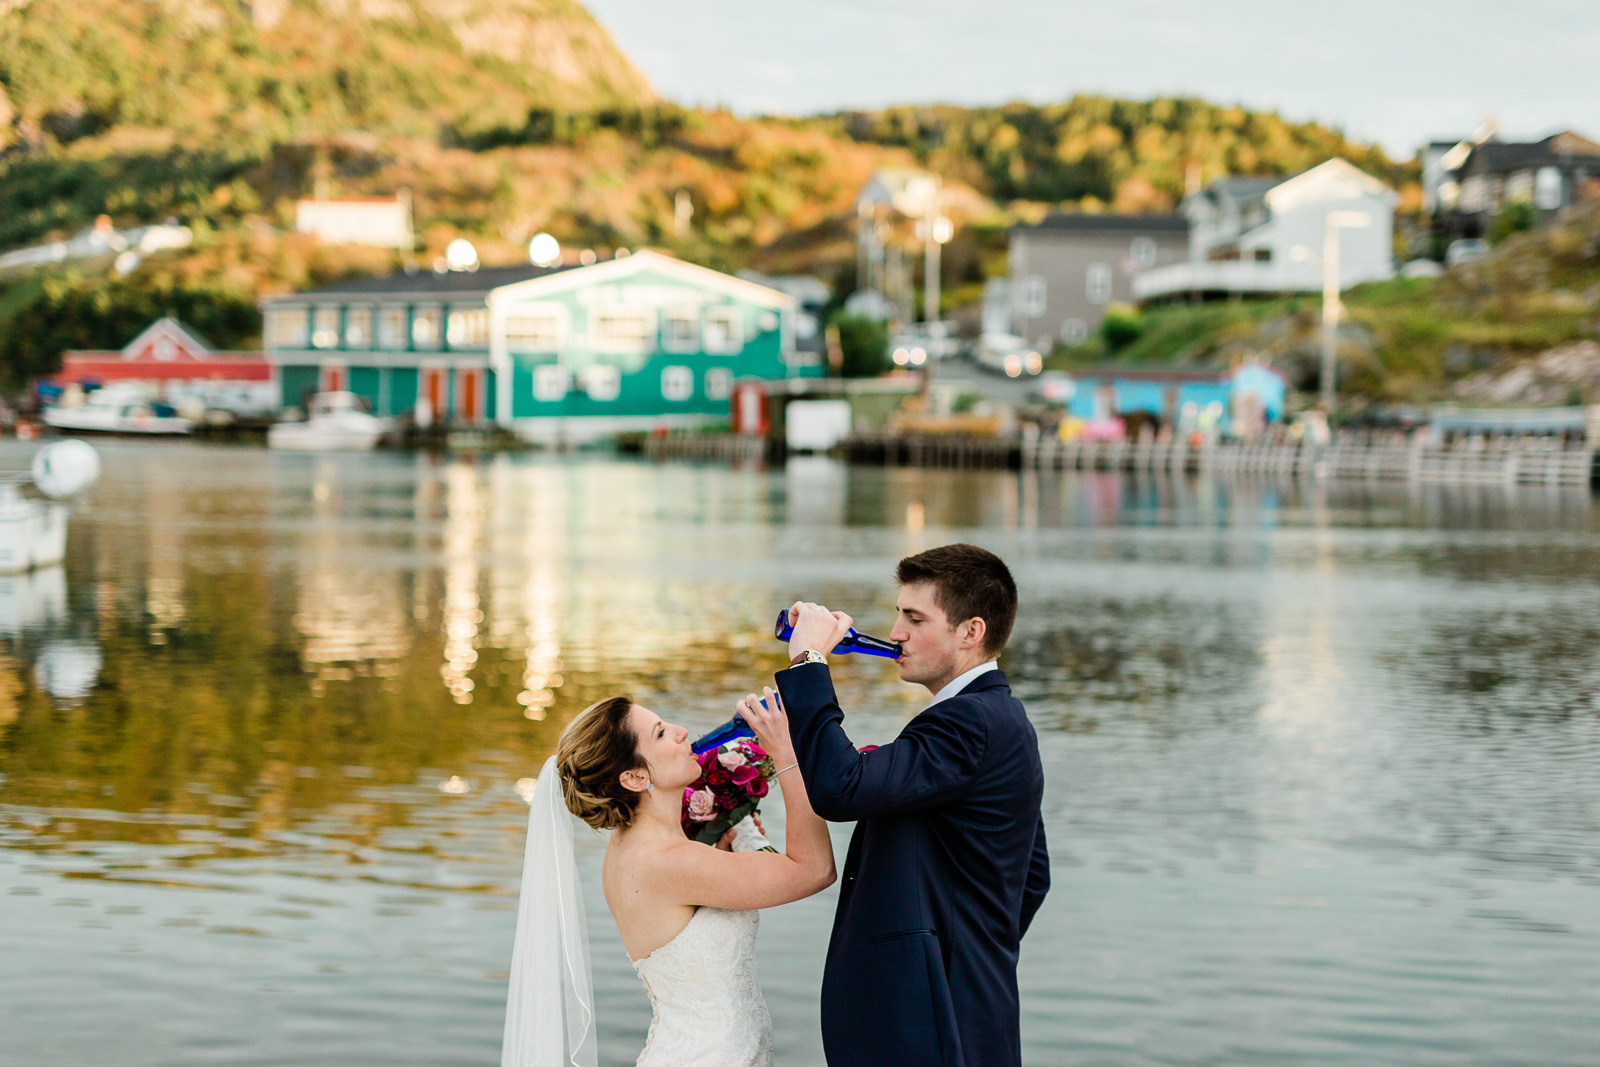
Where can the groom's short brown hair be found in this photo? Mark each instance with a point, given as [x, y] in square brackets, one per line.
[968, 582]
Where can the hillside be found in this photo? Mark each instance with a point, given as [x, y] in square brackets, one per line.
[502, 118]
[259, 72]
[1516, 327]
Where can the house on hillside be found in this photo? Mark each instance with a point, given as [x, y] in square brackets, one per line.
[1477, 179]
[1265, 235]
[1066, 269]
[377, 221]
[634, 343]
[177, 365]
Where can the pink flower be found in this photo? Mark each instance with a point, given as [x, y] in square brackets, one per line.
[702, 805]
[732, 759]
[757, 788]
[707, 759]
[688, 791]
[754, 751]
[743, 775]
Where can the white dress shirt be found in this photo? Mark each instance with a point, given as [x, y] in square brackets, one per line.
[959, 683]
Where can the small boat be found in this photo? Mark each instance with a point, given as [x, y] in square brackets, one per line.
[118, 408]
[337, 423]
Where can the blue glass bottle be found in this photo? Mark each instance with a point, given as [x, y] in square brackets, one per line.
[731, 730]
[851, 642]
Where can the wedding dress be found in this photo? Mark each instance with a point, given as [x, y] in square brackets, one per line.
[706, 1005]
[707, 1008]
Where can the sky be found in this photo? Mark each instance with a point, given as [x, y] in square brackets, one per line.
[1398, 72]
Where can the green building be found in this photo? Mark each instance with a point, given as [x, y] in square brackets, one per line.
[566, 352]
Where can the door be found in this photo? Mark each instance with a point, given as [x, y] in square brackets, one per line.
[334, 379]
[469, 395]
[430, 396]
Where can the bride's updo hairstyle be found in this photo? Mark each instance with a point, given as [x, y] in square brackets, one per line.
[595, 750]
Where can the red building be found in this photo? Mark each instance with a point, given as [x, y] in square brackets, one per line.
[178, 366]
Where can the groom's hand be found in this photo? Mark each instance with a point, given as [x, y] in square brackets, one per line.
[816, 627]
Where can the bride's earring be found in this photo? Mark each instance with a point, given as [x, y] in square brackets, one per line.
[650, 787]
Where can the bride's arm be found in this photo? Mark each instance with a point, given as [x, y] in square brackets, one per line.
[747, 880]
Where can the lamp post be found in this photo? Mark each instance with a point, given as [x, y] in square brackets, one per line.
[935, 231]
[1331, 309]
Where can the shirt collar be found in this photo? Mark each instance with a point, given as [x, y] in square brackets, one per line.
[960, 682]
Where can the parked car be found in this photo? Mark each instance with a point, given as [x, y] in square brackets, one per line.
[1008, 354]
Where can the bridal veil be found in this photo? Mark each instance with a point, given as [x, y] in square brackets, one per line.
[550, 1006]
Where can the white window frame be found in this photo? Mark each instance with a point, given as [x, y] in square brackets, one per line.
[1142, 251]
[1074, 331]
[1032, 297]
[358, 332]
[722, 329]
[689, 315]
[325, 326]
[468, 327]
[521, 336]
[719, 383]
[1097, 283]
[550, 382]
[677, 384]
[427, 327]
[289, 327]
[394, 328]
[602, 381]
[1547, 188]
[602, 340]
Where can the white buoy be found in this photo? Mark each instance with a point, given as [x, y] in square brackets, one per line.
[65, 468]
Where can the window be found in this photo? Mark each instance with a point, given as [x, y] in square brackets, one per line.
[325, 327]
[537, 328]
[1073, 331]
[1547, 189]
[1143, 252]
[393, 325]
[719, 383]
[621, 329]
[549, 382]
[602, 382]
[1031, 297]
[724, 330]
[1097, 284]
[469, 328]
[288, 327]
[425, 332]
[680, 330]
[358, 328]
[677, 383]
[1475, 193]
[1262, 255]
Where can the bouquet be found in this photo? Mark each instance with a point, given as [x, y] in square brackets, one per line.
[733, 779]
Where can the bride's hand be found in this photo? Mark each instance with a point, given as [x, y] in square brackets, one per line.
[770, 723]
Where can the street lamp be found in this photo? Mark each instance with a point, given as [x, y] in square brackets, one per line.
[1353, 220]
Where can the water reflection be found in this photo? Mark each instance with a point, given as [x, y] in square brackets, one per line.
[1314, 751]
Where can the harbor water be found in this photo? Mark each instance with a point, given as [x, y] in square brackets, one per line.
[1322, 759]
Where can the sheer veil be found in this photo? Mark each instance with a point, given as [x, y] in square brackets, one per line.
[550, 1007]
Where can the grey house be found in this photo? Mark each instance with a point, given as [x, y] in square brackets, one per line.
[1065, 270]
[1477, 180]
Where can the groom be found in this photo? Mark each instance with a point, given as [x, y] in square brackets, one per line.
[948, 864]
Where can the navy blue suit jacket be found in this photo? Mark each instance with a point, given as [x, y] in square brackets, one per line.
[945, 872]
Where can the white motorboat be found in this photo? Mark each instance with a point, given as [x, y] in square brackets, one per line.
[336, 423]
[33, 531]
[118, 408]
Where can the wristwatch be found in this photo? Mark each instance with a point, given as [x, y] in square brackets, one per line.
[810, 655]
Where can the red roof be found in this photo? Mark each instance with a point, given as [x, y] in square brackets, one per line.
[166, 352]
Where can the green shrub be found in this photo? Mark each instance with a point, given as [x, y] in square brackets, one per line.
[1515, 217]
[865, 344]
[1122, 326]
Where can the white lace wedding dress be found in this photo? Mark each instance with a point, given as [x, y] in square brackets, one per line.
[707, 1008]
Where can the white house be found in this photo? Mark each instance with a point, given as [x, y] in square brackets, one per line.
[379, 221]
[1265, 235]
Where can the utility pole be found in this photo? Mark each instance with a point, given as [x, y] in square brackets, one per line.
[1331, 307]
[935, 230]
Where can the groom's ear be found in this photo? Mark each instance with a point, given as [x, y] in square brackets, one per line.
[973, 631]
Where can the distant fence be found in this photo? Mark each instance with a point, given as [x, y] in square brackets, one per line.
[1486, 461]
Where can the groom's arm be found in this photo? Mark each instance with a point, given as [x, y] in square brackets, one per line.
[933, 759]
[1038, 879]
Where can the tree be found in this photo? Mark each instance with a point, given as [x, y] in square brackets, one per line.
[865, 344]
[1515, 217]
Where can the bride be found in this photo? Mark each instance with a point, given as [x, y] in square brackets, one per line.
[686, 912]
